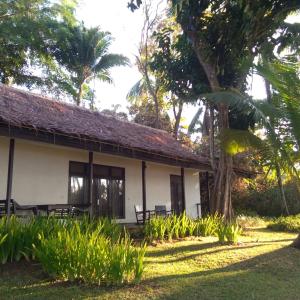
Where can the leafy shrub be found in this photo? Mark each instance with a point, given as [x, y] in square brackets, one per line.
[85, 255]
[208, 225]
[170, 228]
[180, 226]
[161, 228]
[289, 224]
[20, 235]
[104, 226]
[91, 251]
[176, 225]
[183, 224]
[191, 228]
[264, 199]
[232, 232]
[229, 232]
[221, 232]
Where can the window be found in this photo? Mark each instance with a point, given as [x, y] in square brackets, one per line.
[78, 183]
[108, 188]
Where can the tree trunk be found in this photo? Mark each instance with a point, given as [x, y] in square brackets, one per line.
[177, 116]
[79, 96]
[221, 194]
[281, 189]
[296, 243]
[212, 137]
[206, 123]
[157, 123]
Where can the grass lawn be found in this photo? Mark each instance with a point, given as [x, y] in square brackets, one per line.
[261, 267]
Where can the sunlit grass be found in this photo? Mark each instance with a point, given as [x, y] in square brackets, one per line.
[262, 266]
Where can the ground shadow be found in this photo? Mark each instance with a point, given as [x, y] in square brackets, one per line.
[273, 275]
[192, 256]
[178, 250]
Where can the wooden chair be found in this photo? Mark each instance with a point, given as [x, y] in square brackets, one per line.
[78, 211]
[60, 210]
[3, 211]
[15, 208]
[139, 214]
[161, 210]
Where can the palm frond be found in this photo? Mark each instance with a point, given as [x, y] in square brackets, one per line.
[137, 90]
[261, 110]
[191, 127]
[105, 76]
[108, 61]
[285, 81]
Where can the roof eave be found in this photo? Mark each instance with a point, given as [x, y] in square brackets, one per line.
[86, 143]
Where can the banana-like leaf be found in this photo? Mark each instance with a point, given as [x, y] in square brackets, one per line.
[235, 141]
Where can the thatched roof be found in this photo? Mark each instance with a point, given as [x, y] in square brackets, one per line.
[24, 109]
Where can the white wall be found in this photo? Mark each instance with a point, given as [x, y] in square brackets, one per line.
[192, 191]
[158, 188]
[41, 172]
[41, 177]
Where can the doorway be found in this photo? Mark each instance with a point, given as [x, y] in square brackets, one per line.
[177, 204]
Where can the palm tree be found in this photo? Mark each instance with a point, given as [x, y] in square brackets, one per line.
[284, 78]
[84, 53]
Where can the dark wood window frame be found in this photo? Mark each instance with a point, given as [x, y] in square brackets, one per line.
[109, 176]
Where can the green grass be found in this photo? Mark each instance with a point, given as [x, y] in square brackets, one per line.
[263, 266]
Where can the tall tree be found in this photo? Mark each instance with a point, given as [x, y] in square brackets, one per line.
[148, 84]
[280, 118]
[226, 36]
[84, 53]
[26, 28]
[283, 77]
[176, 67]
[144, 111]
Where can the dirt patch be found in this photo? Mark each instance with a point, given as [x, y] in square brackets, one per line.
[23, 267]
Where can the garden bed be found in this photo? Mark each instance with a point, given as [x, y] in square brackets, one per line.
[262, 266]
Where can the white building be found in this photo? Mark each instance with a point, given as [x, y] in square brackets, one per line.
[52, 153]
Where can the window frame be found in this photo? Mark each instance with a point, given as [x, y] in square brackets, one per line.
[109, 178]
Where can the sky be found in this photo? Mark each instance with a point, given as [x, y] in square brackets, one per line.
[125, 27]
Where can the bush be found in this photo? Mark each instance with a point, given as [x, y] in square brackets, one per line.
[174, 227]
[233, 232]
[91, 251]
[229, 232]
[288, 224]
[208, 225]
[221, 233]
[264, 199]
[85, 255]
[170, 227]
[20, 235]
